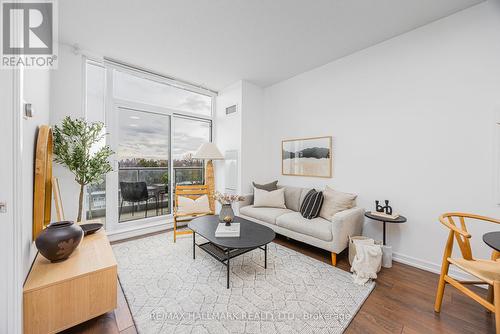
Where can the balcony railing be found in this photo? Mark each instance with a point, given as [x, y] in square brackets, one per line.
[157, 179]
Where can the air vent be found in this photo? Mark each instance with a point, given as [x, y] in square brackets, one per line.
[231, 110]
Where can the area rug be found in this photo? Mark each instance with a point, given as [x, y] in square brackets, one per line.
[169, 292]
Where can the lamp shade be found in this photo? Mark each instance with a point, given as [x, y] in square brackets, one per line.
[208, 151]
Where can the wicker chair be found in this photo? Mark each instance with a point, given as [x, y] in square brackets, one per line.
[486, 271]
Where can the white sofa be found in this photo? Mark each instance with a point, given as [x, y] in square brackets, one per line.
[331, 235]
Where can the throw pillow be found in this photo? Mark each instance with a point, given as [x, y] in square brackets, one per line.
[311, 205]
[268, 186]
[336, 201]
[271, 199]
[188, 205]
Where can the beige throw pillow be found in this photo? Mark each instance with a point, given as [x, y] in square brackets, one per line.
[271, 199]
[335, 201]
[188, 205]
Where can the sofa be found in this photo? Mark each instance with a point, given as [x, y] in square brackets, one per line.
[331, 235]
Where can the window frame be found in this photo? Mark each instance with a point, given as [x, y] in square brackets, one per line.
[112, 104]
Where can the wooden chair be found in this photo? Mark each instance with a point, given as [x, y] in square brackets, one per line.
[487, 271]
[193, 192]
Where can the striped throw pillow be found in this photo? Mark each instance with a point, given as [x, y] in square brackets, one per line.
[311, 206]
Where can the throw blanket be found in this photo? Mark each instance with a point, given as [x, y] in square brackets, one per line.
[367, 262]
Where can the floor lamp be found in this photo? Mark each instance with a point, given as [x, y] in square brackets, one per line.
[209, 152]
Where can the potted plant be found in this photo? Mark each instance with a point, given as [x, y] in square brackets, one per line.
[74, 148]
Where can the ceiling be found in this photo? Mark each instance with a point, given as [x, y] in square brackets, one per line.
[215, 43]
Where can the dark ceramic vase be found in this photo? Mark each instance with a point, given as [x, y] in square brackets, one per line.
[59, 240]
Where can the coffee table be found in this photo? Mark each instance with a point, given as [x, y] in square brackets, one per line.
[252, 236]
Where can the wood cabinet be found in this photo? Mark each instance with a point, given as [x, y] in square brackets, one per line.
[61, 295]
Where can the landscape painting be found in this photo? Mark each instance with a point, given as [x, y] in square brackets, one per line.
[307, 157]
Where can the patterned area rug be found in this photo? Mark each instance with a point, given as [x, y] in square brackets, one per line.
[169, 292]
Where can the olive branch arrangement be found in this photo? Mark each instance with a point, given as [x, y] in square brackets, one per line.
[75, 148]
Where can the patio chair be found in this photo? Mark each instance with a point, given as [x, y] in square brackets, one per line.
[135, 192]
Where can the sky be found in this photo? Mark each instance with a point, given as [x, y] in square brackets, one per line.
[132, 88]
[146, 135]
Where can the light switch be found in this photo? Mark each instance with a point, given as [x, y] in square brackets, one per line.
[28, 110]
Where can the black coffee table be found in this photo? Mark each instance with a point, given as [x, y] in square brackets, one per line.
[252, 236]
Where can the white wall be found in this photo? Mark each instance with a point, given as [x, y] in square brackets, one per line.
[7, 195]
[36, 90]
[18, 135]
[66, 99]
[412, 121]
[227, 130]
[254, 142]
[242, 131]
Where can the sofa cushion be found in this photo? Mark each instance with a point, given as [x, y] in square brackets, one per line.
[312, 204]
[318, 227]
[336, 201]
[267, 215]
[268, 186]
[292, 198]
[270, 199]
[303, 195]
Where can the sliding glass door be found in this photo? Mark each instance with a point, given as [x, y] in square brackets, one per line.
[189, 134]
[143, 164]
[154, 130]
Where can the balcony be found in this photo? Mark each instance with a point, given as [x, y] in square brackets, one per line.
[157, 180]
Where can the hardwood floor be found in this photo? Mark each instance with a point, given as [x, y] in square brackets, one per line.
[402, 302]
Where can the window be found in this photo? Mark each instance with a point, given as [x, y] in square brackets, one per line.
[154, 127]
[143, 164]
[95, 76]
[133, 88]
[189, 134]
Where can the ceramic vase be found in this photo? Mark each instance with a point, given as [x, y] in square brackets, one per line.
[226, 214]
[59, 240]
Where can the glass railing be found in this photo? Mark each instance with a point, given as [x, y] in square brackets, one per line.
[157, 182]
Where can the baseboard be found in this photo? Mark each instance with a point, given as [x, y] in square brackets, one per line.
[431, 267]
[138, 231]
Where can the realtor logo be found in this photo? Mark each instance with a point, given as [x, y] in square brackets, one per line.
[28, 34]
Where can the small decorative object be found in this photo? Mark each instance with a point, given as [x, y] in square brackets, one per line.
[307, 157]
[59, 240]
[385, 209]
[228, 220]
[226, 213]
[89, 229]
[74, 141]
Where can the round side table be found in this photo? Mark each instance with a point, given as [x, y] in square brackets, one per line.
[398, 220]
[386, 250]
[492, 239]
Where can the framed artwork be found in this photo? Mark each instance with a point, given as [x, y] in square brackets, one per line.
[307, 157]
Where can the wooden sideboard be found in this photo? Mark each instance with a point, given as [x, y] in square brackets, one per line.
[61, 295]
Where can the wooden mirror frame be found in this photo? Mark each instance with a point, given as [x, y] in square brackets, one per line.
[42, 188]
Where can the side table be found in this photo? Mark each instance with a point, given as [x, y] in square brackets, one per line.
[386, 250]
